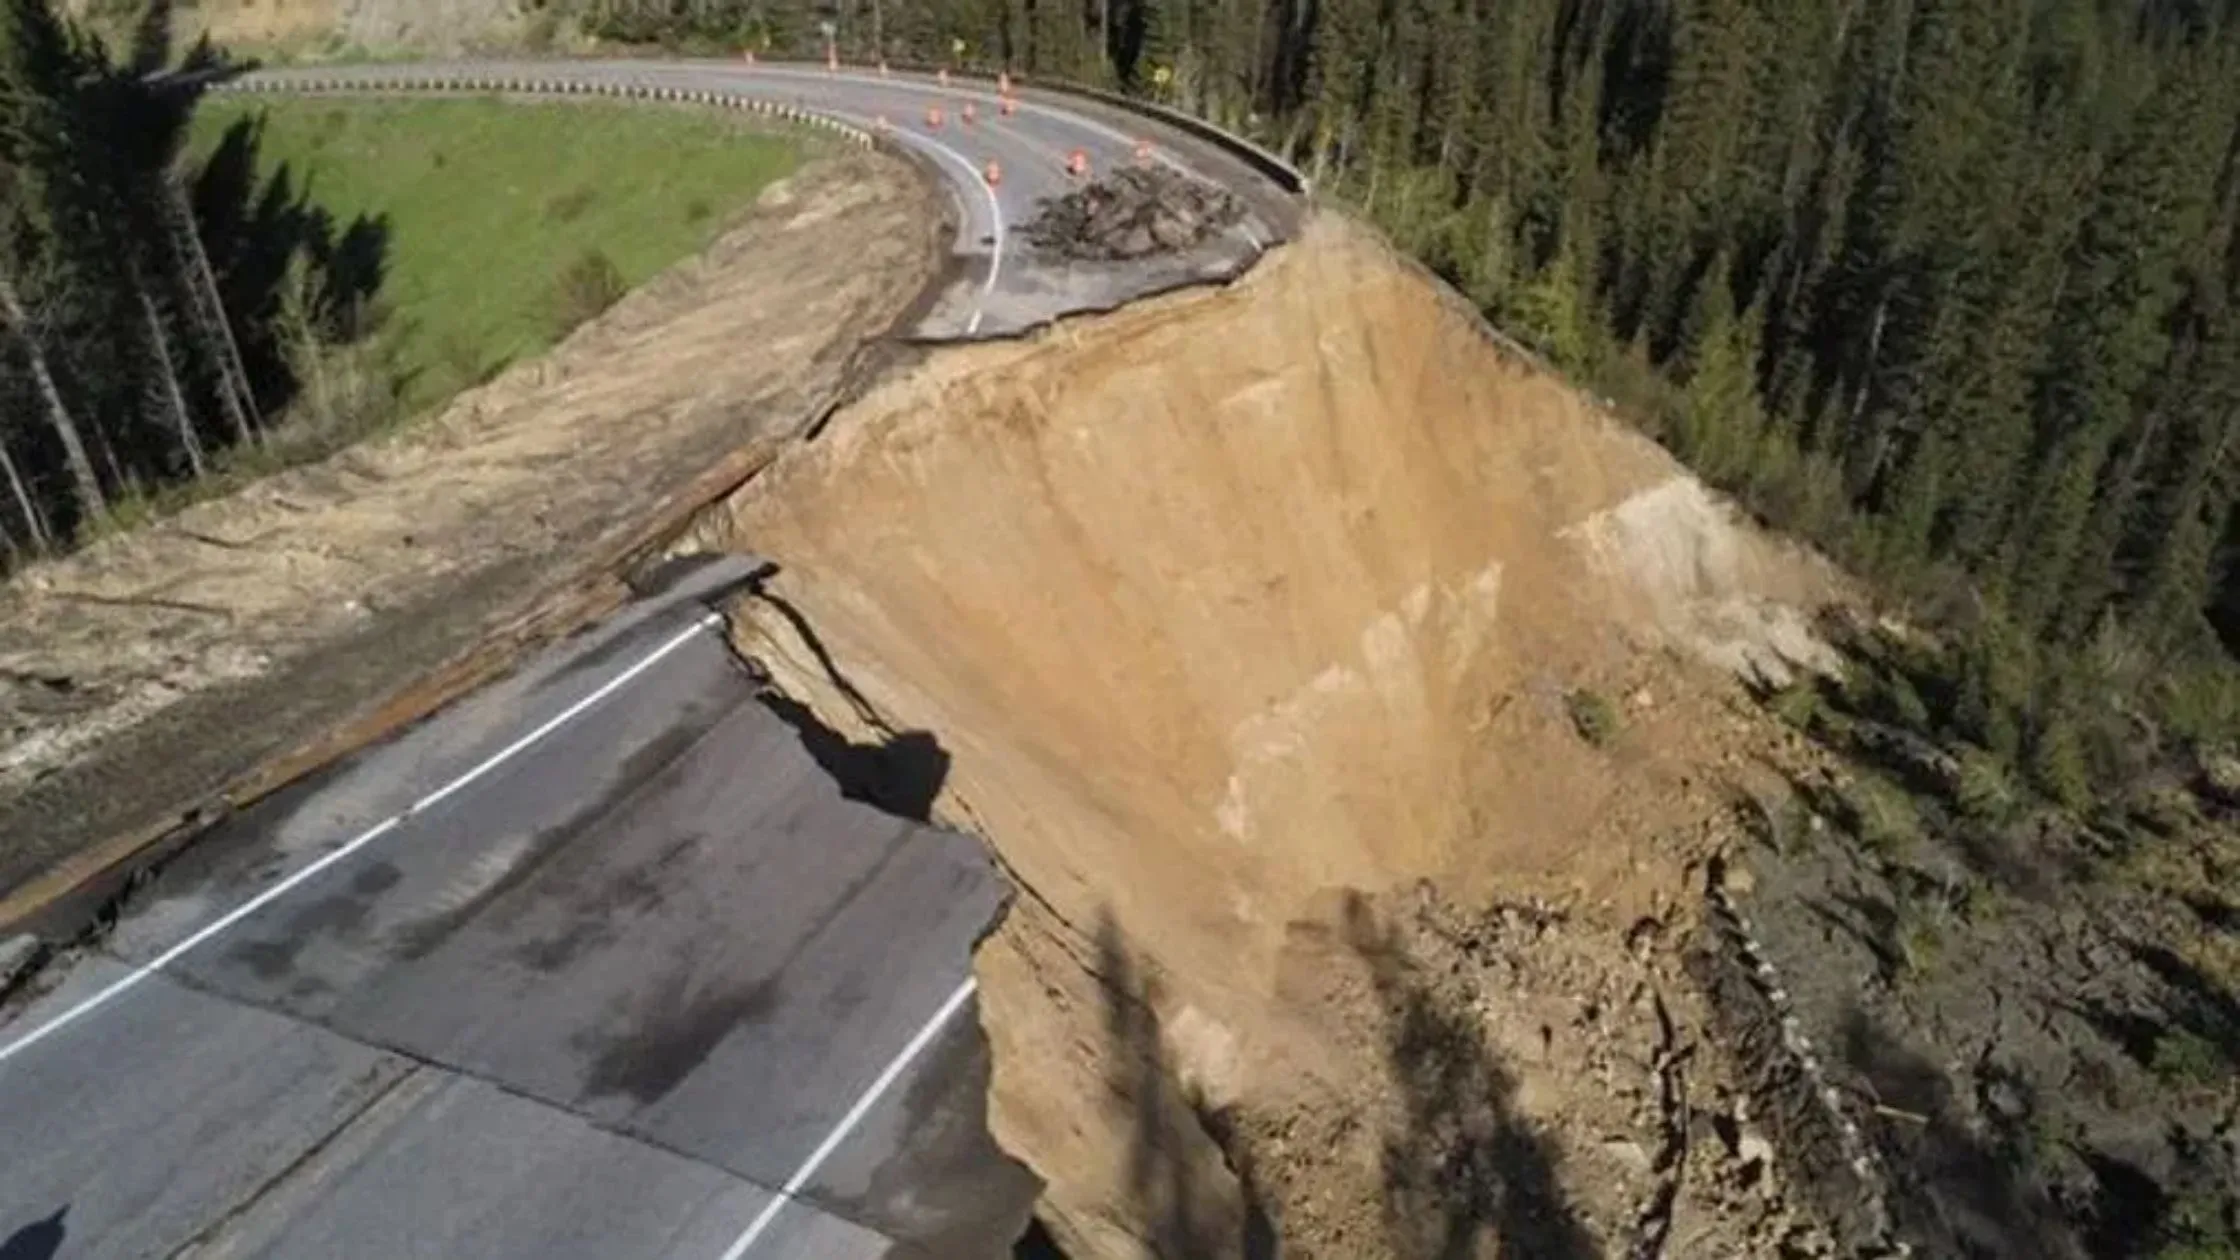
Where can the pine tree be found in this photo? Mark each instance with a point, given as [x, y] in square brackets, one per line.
[27, 508]
[1721, 419]
[1550, 312]
[92, 502]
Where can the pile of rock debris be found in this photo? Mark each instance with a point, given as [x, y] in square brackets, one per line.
[1134, 212]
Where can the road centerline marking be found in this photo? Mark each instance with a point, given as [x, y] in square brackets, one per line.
[133, 978]
[863, 1105]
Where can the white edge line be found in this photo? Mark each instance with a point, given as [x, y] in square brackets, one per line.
[893, 1071]
[972, 177]
[995, 216]
[360, 841]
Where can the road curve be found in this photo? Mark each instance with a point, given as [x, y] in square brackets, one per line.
[999, 286]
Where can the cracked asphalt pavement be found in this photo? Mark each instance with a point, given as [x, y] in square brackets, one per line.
[598, 963]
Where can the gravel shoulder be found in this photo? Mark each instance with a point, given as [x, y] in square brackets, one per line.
[140, 677]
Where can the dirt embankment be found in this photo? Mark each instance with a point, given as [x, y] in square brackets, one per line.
[437, 27]
[1239, 614]
[144, 671]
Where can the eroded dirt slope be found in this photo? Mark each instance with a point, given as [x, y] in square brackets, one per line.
[1238, 614]
[146, 670]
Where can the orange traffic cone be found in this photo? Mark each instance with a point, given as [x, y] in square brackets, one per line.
[1077, 163]
[994, 173]
[933, 118]
[942, 76]
[1006, 106]
[1003, 83]
[968, 115]
[1143, 153]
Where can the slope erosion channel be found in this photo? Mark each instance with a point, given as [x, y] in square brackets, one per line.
[1252, 625]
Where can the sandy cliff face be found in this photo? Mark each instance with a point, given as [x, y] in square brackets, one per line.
[1223, 606]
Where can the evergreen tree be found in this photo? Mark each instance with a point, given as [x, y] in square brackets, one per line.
[1721, 420]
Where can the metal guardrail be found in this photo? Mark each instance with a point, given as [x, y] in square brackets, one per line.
[1273, 167]
[1282, 173]
[315, 84]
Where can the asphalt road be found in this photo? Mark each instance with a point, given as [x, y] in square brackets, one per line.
[999, 285]
[599, 963]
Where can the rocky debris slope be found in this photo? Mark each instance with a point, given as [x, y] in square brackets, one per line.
[2029, 1021]
[1135, 212]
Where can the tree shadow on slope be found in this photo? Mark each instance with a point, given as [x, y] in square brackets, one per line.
[1184, 1211]
[1465, 1169]
[1462, 1174]
[279, 257]
[1958, 1188]
[40, 1240]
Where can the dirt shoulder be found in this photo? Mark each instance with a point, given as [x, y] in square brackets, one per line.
[141, 676]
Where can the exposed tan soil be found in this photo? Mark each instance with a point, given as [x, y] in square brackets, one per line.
[137, 674]
[433, 27]
[1241, 614]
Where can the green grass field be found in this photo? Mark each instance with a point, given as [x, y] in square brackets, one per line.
[488, 202]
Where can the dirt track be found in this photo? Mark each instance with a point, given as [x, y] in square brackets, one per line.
[138, 675]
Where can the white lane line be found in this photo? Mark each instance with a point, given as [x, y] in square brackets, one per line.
[360, 841]
[971, 175]
[894, 1070]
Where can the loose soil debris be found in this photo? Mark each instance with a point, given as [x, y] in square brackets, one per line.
[1135, 212]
